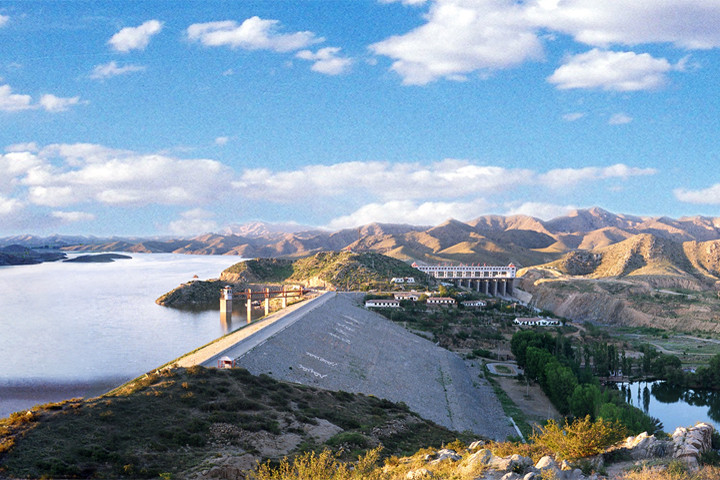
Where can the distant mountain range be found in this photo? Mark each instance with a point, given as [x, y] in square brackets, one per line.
[490, 239]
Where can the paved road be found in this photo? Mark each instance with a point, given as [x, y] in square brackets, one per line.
[256, 334]
[337, 345]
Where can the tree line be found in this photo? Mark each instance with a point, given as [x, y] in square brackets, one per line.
[571, 385]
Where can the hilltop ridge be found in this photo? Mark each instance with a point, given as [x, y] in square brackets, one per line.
[520, 239]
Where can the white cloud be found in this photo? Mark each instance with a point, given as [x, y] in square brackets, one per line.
[460, 37]
[543, 211]
[687, 23]
[220, 141]
[71, 174]
[565, 177]
[405, 2]
[193, 222]
[707, 196]
[254, 33]
[9, 206]
[72, 217]
[410, 212]
[446, 179]
[618, 71]
[135, 38]
[112, 69]
[4, 20]
[620, 119]
[326, 60]
[54, 104]
[22, 147]
[13, 166]
[13, 102]
[572, 117]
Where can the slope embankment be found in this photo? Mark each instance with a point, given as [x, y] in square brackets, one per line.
[341, 346]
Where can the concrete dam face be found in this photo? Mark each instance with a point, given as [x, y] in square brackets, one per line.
[341, 346]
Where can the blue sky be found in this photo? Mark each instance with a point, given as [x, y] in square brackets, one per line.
[184, 117]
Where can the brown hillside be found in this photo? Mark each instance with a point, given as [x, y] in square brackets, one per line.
[602, 238]
[644, 254]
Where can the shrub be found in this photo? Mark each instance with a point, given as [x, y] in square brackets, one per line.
[322, 466]
[581, 438]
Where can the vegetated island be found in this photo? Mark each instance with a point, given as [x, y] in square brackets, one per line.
[327, 270]
[20, 255]
[98, 258]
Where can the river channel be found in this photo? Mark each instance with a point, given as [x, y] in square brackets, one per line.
[79, 329]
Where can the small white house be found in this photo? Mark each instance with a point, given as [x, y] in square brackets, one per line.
[414, 296]
[401, 280]
[537, 322]
[382, 303]
[440, 301]
[474, 303]
[225, 362]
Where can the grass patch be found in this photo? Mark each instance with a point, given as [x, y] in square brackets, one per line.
[510, 409]
[165, 423]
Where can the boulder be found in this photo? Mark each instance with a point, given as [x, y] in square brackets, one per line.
[510, 476]
[547, 463]
[644, 446]
[513, 463]
[446, 454]
[476, 444]
[475, 462]
[420, 473]
[690, 443]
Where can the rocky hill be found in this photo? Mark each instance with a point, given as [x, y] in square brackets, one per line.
[341, 270]
[642, 280]
[492, 239]
[331, 270]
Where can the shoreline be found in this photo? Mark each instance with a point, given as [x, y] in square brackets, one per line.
[216, 348]
[17, 397]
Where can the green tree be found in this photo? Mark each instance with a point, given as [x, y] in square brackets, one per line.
[585, 400]
[582, 438]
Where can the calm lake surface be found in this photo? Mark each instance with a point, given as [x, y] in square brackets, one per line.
[80, 329]
[675, 407]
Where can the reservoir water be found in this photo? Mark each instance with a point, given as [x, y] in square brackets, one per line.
[674, 406]
[79, 329]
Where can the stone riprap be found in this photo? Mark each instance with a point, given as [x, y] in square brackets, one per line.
[342, 346]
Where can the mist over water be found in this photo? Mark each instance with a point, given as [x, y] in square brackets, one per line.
[77, 329]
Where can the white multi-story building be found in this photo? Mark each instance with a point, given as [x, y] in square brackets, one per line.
[382, 303]
[491, 280]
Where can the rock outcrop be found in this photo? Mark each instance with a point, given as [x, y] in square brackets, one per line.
[686, 444]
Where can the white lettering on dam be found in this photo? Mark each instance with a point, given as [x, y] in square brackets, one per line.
[317, 357]
[310, 370]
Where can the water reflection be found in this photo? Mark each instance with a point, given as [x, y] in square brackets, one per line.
[97, 324]
[674, 406]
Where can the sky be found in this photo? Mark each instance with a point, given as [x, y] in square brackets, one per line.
[183, 117]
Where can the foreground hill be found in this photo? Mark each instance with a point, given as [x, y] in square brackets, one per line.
[180, 422]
